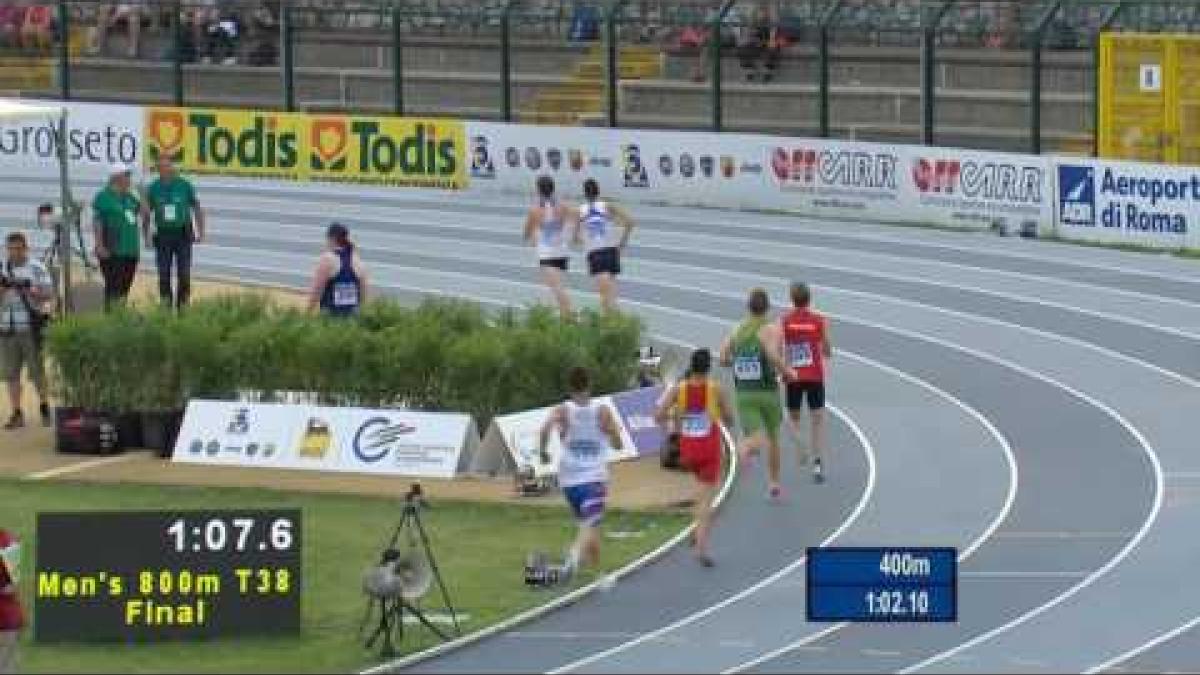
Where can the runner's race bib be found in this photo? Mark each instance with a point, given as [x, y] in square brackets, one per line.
[747, 368]
[800, 355]
[695, 425]
[584, 449]
[131, 217]
[345, 295]
[170, 213]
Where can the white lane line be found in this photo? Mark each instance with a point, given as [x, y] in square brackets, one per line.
[1052, 534]
[904, 278]
[718, 244]
[1146, 447]
[882, 653]
[746, 279]
[867, 447]
[985, 576]
[1009, 498]
[786, 222]
[561, 601]
[1111, 664]
[83, 466]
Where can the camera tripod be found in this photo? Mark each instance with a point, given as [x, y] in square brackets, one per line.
[392, 609]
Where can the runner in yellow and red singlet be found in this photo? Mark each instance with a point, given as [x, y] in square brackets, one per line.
[806, 348]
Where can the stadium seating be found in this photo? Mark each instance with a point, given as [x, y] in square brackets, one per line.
[343, 56]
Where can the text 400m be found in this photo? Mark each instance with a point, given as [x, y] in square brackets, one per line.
[905, 565]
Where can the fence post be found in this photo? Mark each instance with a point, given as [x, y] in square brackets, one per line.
[64, 50]
[714, 44]
[826, 20]
[177, 51]
[288, 56]
[928, 85]
[397, 60]
[1106, 23]
[506, 103]
[1035, 74]
[612, 63]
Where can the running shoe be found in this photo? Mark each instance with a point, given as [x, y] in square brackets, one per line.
[705, 560]
[775, 493]
[818, 473]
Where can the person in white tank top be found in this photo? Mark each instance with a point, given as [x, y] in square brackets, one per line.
[545, 228]
[588, 430]
[596, 229]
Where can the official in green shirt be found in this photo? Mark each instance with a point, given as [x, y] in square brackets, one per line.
[117, 210]
[178, 223]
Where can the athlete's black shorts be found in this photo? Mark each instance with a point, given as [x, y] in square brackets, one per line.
[560, 263]
[797, 392]
[604, 261]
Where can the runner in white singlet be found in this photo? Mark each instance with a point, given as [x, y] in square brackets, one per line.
[596, 229]
[545, 228]
[587, 430]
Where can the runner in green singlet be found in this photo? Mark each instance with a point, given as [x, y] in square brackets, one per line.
[753, 353]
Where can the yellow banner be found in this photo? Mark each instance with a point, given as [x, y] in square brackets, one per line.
[296, 146]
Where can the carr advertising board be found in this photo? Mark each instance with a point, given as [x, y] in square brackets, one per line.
[98, 135]
[832, 178]
[1128, 203]
[354, 440]
[391, 151]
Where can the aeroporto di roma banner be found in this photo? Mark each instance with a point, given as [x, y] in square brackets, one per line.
[393, 151]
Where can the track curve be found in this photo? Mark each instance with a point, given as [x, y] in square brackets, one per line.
[971, 360]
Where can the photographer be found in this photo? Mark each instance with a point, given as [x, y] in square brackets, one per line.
[25, 288]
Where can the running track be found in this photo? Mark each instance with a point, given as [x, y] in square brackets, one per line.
[1028, 403]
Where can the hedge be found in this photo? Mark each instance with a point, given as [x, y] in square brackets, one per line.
[442, 355]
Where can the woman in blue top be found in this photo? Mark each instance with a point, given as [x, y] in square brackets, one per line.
[340, 284]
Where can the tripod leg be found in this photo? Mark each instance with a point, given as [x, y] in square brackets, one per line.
[437, 574]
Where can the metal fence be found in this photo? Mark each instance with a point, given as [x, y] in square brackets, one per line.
[1005, 74]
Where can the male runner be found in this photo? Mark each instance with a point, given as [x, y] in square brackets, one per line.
[806, 348]
[545, 227]
[596, 220]
[702, 405]
[752, 350]
[587, 429]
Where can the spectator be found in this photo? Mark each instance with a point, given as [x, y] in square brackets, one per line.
[25, 288]
[12, 619]
[220, 31]
[37, 32]
[112, 16]
[759, 51]
[118, 246]
[700, 38]
[264, 35]
[12, 21]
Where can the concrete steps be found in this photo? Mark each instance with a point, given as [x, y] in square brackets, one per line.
[583, 94]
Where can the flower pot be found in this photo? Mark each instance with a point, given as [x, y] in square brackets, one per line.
[160, 429]
[86, 432]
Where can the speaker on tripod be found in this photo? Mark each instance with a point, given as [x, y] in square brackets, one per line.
[406, 573]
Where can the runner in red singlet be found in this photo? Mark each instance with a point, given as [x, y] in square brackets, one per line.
[806, 349]
[702, 406]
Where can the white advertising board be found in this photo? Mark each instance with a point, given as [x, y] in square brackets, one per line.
[839, 179]
[1128, 203]
[355, 440]
[512, 441]
[98, 136]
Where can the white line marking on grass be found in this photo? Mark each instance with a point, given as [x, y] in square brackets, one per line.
[82, 466]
